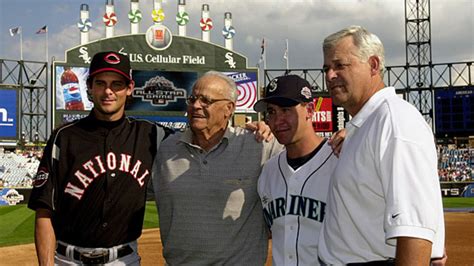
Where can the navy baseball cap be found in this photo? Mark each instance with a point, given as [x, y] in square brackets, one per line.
[110, 61]
[285, 91]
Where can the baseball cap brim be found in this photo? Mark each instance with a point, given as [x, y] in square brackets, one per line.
[126, 76]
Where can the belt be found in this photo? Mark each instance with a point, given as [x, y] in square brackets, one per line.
[94, 257]
[389, 262]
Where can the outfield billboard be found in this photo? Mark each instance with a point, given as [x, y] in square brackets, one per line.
[9, 114]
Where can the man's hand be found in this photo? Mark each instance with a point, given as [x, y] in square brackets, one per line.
[440, 261]
[336, 141]
[261, 130]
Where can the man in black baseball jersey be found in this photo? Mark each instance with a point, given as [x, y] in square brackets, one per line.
[89, 192]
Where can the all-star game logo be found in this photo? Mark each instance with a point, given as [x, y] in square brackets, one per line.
[10, 196]
[159, 91]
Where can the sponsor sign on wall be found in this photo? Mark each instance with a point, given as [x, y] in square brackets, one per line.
[9, 114]
[322, 115]
[457, 189]
[178, 123]
[71, 88]
[246, 89]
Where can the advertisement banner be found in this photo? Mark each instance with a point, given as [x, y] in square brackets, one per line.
[457, 189]
[178, 123]
[154, 90]
[8, 114]
[322, 116]
[71, 88]
[247, 90]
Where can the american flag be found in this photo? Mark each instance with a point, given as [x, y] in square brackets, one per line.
[44, 29]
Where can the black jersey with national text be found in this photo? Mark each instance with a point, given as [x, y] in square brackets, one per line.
[93, 177]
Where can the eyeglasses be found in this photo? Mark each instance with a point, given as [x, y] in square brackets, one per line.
[203, 100]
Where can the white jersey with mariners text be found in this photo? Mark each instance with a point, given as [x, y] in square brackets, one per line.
[294, 203]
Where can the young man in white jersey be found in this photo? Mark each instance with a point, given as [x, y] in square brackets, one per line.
[293, 184]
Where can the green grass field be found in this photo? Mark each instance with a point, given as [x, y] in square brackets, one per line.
[17, 222]
[458, 202]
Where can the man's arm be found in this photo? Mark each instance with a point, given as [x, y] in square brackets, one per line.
[413, 251]
[45, 239]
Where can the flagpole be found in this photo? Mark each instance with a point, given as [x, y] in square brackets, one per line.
[21, 43]
[264, 56]
[287, 56]
[47, 56]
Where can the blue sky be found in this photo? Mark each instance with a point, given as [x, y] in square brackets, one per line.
[305, 23]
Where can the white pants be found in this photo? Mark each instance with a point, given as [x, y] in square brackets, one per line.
[131, 259]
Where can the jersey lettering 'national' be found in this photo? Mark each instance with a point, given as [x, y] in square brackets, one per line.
[97, 166]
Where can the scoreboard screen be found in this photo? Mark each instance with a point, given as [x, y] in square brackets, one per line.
[454, 111]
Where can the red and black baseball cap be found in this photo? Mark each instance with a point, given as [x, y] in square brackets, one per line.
[110, 61]
[285, 91]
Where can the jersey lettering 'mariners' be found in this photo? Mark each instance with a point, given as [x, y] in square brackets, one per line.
[94, 168]
[299, 206]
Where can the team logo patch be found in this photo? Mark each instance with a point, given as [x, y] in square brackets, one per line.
[40, 178]
[112, 59]
[306, 92]
[273, 85]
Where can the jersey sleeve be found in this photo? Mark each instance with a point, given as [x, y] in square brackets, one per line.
[44, 182]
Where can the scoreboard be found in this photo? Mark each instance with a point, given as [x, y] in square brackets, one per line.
[454, 111]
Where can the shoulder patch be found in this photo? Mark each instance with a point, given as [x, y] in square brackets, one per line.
[40, 178]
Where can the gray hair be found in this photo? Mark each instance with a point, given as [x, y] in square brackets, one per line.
[231, 88]
[368, 44]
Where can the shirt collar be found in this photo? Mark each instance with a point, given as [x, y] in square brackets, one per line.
[369, 107]
[187, 136]
[93, 122]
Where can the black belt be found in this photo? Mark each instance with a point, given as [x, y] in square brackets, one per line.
[390, 262]
[94, 257]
